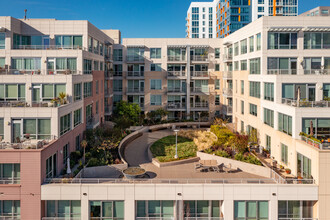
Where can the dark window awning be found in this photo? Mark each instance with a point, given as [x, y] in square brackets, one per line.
[316, 29]
[285, 29]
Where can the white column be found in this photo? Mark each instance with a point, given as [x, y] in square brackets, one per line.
[188, 81]
[228, 209]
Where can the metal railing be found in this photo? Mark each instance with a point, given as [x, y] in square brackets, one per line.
[227, 91]
[48, 47]
[297, 218]
[228, 75]
[228, 57]
[62, 218]
[29, 143]
[11, 217]
[227, 109]
[176, 105]
[18, 104]
[199, 74]
[306, 104]
[317, 72]
[38, 72]
[199, 105]
[321, 146]
[176, 90]
[14, 180]
[282, 72]
[135, 58]
[135, 74]
[168, 181]
[199, 57]
[176, 73]
[200, 90]
[276, 177]
[176, 58]
[135, 90]
[92, 121]
[118, 58]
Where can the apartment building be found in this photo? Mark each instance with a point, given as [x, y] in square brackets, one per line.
[318, 11]
[231, 15]
[51, 90]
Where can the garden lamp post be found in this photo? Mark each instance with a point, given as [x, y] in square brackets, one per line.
[176, 143]
[199, 119]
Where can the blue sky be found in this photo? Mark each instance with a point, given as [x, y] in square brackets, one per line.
[135, 18]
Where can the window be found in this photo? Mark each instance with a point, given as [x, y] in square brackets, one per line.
[295, 209]
[242, 87]
[88, 89]
[63, 209]
[155, 53]
[217, 67]
[245, 210]
[107, 210]
[96, 46]
[155, 84]
[268, 143]
[155, 99]
[259, 41]
[217, 99]
[77, 92]
[66, 153]
[77, 119]
[217, 84]
[255, 89]
[202, 209]
[12, 92]
[325, 12]
[236, 65]
[304, 166]
[321, 127]
[78, 142]
[96, 65]
[117, 85]
[253, 109]
[2, 63]
[97, 107]
[176, 54]
[255, 66]
[65, 124]
[26, 63]
[217, 53]
[261, 9]
[155, 209]
[2, 128]
[2, 40]
[269, 91]
[116, 99]
[117, 54]
[97, 87]
[244, 46]
[285, 123]
[269, 117]
[156, 67]
[87, 66]
[68, 41]
[10, 173]
[236, 49]
[317, 40]
[90, 44]
[313, 65]
[242, 126]
[51, 164]
[282, 65]
[251, 42]
[89, 113]
[10, 209]
[243, 64]
[242, 107]
[135, 54]
[282, 40]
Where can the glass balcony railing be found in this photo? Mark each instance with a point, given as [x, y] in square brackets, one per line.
[306, 104]
[135, 74]
[317, 72]
[282, 72]
[227, 91]
[199, 57]
[199, 105]
[203, 74]
[38, 72]
[49, 47]
[176, 58]
[135, 90]
[176, 73]
[22, 103]
[25, 143]
[176, 90]
[176, 105]
[135, 58]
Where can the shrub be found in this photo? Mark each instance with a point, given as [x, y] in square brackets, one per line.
[248, 159]
[75, 156]
[93, 162]
[208, 151]
[222, 153]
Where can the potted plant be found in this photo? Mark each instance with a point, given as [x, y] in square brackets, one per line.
[54, 101]
[288, 171]
[62, 97]
[281, 167]
[27, 136]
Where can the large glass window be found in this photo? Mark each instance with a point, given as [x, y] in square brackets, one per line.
[282, 40]
[117, 54]
[284, 153]
[269, 91]
[66, 209]
[312, 65]
[1, 129]
[37, 128]
[117, 85]
[2, 40]
[217, 53]
[106, 210]
[253, 109]
[251, 42]
[68, 42]
[155, 209]
[65, 124]
[156, 67]
[259, 41]
[202, 209]
[255, 66]
[2, 63]
[243, 46]
[155, 53]
[321, 127]
[155, 84]
[269, 117]
[88, 89]
[77, 92]
[62, 65]
[47, 92]
[285, 123]
[87, 66]
[305, 91]
[10, 92]
[10, 209]
[255, 89]
[10, 173]
[245, 210]
[295, 209]
[314, 40]
[176, 54]
[236, 49]
[304, 166]
[282, 65]
[26, 64]
[135, 54]
[155, 99]
[243, 64]
[77, 117]
[51, 166]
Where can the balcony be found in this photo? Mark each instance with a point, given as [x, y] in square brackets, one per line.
[199, 58]
[176, 90]
[135, 90]
[227, 110]
[24, 104]
[199, 105]
[92, 121]
[38, 72]
[228, 58]
[49, 47]
[132, 58]
[282, 72]
[317, 72]
[203, 90]
[176, 106]
[322, 145]
[60, 218]
[173, 58]
[199, 74]
[228, 75]
[135, 74]
[176, 74]
[227, 92]
[306, 104]
[26, 143]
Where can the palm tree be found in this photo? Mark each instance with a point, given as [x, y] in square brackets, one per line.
[84, 145]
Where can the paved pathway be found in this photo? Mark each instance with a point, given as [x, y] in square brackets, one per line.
[136, 152]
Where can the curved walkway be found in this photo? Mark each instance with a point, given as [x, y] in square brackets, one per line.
[136, 152]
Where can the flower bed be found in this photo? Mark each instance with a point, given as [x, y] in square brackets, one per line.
[202, 139]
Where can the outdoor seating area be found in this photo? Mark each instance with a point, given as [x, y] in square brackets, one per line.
[213, 166]
[25, 144]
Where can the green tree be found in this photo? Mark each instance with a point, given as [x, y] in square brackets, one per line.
[129, 111]
[158, 114]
